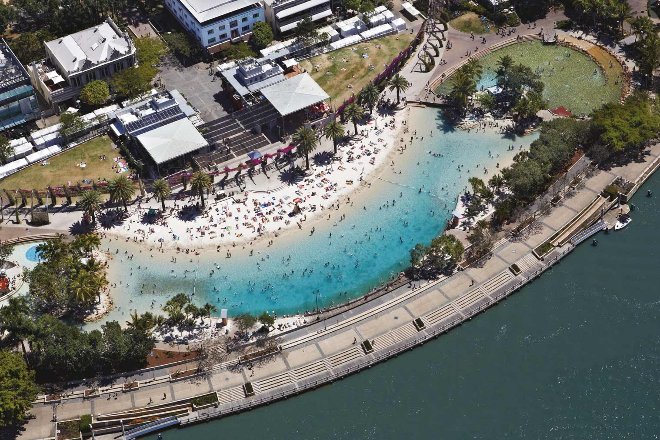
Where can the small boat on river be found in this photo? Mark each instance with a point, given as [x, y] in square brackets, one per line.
[622, 221]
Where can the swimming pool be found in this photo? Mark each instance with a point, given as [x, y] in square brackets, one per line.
[339, 261]
[32, 254]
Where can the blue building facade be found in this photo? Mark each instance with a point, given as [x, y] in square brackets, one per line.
[18, 102]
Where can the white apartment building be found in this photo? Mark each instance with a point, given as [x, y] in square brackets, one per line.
[215, 22]
[92, 54]
[284, 15]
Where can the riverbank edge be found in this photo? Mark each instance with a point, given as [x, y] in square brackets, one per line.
[424, 335]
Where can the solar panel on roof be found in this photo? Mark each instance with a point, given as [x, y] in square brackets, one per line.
[154, 120]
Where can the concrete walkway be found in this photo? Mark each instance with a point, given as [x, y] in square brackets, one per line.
[331, 348]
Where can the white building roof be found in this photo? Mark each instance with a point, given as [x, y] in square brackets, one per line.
[294, 94]
[90, 47]
[299, 8]
[206, 10]
[172, 140]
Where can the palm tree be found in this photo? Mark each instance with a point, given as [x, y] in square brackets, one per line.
[334, 130]
[504, 65]
[474, 68]
[621, 12]
[400, 84]
[161, 189]
[463, 86]
[90, 203]
[496, 182]
[369, 96]
[354, 113]
[88, 242]
[207, 309]
[121, 190]
[305, 137]
[200, 182]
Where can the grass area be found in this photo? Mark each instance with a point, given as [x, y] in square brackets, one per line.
[544, 248]
[571, 78]
[68, 430]
[64, 168]
[206, 399]
[469, 22]
[345, 71]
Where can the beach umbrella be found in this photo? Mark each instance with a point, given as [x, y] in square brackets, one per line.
[254, 155]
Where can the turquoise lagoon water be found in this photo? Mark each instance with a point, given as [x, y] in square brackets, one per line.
[32, 254]
[573, 355]
[367, 248]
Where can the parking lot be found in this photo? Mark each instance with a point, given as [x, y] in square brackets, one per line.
[201, 88]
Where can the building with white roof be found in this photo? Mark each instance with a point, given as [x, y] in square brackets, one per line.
[214, 23]
[160, 127]
[18, 102]
[284, 15]
[92, 54]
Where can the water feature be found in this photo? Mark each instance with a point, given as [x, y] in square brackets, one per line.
[32, 254]
[571, 78]
[574, 355]
[371, 245]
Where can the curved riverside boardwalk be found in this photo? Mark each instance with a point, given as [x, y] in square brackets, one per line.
[333, 348]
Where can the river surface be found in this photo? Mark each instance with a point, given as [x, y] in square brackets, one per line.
[573, 355]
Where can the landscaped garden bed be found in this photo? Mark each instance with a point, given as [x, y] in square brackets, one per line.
[248, 389]
[543, 250]
[419, 324]
[91, 392]
[50, 398]
[515, 269]
[367, 347]
[68, 429]
[182, 374]
[131, 386]
[204, 401]
[86, 425]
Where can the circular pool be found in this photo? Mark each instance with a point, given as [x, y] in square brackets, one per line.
[32, 254]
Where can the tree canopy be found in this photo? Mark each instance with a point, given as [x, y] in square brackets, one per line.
[71, 123]
[67, 280]
[95, 93]
[262, 35]
[6, 150]
[18, 389]
[625, 128]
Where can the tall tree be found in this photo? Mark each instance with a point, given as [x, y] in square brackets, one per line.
[6, 150]
[18, 389]
[121, 190]
[306, 32]
[199, 183]
[262, 35]
[161, 189]
[71, 123]
[400, 84]
[306, 142]
[90, 203]
[95, 93]
[334, 130]
[354, 113]
[369, 96]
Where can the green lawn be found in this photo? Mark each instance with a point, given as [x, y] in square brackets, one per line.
[570, 77]
[64, 169]
[469, 22]
[337, 70]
